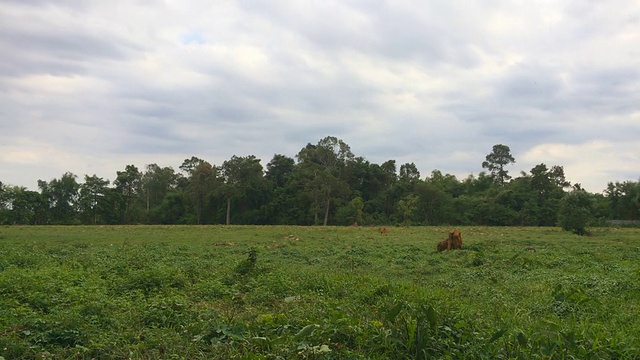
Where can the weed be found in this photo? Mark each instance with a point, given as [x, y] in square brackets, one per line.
[249, 264]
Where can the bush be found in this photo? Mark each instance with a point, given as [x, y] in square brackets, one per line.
[575, 212]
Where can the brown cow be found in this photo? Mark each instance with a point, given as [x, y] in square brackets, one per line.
[383, 231]
[456, 239]
[444, 245]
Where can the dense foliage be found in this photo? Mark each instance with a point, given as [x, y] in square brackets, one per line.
[285, 292]
[325, 184]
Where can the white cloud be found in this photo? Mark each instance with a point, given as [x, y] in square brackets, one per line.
[94, 86]
[591, 164]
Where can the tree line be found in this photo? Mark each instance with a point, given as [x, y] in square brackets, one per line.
[325, 184]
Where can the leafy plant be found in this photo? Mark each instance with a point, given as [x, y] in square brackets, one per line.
[249, 264]
[575, 212]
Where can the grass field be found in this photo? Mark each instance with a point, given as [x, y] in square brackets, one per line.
[278, 292]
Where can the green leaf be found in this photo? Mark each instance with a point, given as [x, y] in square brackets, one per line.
[548, 349]
[412, 325]
[497, 335]
[432, 316]
[552, 325]
[393, 312]
[570, 337]
[306, 331]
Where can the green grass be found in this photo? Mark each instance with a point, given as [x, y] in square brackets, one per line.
[279, 292]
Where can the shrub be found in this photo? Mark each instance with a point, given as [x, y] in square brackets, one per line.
[575, 212]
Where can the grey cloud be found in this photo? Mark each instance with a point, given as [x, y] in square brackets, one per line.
[537, 87]
[606, 89]
[378, 29]
[51, 51]
[477, 84]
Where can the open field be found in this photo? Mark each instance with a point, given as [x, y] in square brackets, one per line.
[189, 292]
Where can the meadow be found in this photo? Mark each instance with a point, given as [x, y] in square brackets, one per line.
[281, 292]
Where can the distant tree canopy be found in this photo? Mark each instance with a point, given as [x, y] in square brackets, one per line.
[325, 184]
[497, 160]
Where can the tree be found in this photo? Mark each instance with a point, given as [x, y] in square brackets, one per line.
[91, 201]
[323, 165]
[202, 184]
[5, 201]
[172, 210]
[61, 196]
[190, 165]
[389, 168]
[240, 175]
[351, 213]
[624, 200]
[496, 161]
[19, 205]
[545, 190]
[156, 182]
[447, 183]
[128, 184]
[279, 169]
[432, 203]
[409, 172]
[406, 208]
[556, 174]
[575, 212]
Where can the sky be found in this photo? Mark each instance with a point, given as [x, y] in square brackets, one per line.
[92, 86]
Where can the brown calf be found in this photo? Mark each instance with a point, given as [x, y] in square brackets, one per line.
[444, 245]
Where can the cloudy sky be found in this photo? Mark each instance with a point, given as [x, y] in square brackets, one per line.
[92, 86]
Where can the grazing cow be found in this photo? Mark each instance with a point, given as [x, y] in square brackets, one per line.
[383, 231]
[456, 239]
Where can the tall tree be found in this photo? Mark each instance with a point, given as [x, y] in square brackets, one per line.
[18, 205]
[282, 203]
[324, 166]
[624, 200]
[128, 184]
[62, 196]
[202, 184]
[156, 182]
[497, 160]
[5, 201]
[279, 169]
[409, 172]
[190, 165]
[386, 198]
[240, 174]
[91, 200]
[431, 203]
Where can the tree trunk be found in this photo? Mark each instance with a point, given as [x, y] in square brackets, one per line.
[228, 210]
[316, 207]
[326, 212]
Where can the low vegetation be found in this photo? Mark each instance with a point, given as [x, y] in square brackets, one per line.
[279, 292]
